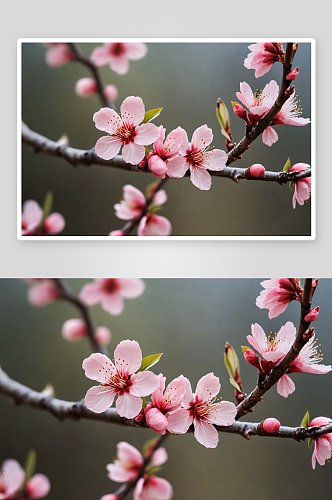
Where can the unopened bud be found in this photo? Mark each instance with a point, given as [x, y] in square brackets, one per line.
[240, 111]
[85, 87]
[102, 335]
[271, 425]
[111, 92]
[251, 357]
[292, 75]
[257, 170]
[74, 329]
[312, 315]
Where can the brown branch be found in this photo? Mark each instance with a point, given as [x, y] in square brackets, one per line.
[66, 294]
[74, 156]
[302, 337]
[22, 394]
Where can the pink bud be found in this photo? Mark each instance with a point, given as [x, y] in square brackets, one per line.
[140, 416]
[111, 496]
[117, 232]
[292, 75]
[156, 420]
[251, 357]
[74, 329]
[240, 111]
[157, 166]
[111, 92]
[271, 425]
[38, 486]
[312, 315]
[54, 223]
[102, 335]
[58, 54]
[85, 87]
[257, 170]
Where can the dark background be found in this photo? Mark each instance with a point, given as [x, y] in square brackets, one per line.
[185, 79]
[189, 320]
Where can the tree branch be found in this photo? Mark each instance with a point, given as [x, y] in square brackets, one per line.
[74, 156]
[22, 394]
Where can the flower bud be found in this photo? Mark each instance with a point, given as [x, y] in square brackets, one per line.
[257, 170]
[85, 87]
[54, 223]
[38, 486]
[292, 75]
[102, 335]
[240, 111]
[271, 425]
[312, 315]
[74, 329]
[251, 357]
[111, 92]
[111, 496]
[117, 232]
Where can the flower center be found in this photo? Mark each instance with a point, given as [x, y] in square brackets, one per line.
[195, 157]
[117, 49]
[126, 133]
[110, 285]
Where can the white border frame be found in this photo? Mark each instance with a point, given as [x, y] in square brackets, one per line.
[312, 237]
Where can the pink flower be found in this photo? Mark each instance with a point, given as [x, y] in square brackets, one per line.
[272, 349]
[111, 92]
[308, 361]
[150, 486]
[278, 294]
[125, 130]
[259, 104]
[32, 217]
[58, 54]
[118, 55]
[197, 158]
[42, 292]
[119, 379]
[199, 409]
[85, 87]
[38, 486]
[103, 335]
[132, 205]
[163, 405]
[271, 425]
[323, 444]
[262, 57]
[11, 479]
[74, 329]
[154, 225]
[164, 151]
[127, 465]
[302, 189]
[110, 292]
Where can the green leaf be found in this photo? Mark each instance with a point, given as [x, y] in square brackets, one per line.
[149, 187]
[310, 441]
[152, 470]
[154, 209]
[234, 384]
[244, 348]
[287, 166]
[223, 117]
[149, 443]
[232, 365]
[149, 361]
[151, 115]
[291, 184]
[48, 203]
[146, 150]
[30, 465]
[144, 402]
[305, 420]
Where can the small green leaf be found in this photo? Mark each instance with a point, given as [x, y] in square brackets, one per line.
[151, 115]
[154, 209]
[244, 348]
[152, 470]
[310, 441]
[63, 141]
[235, 384]
[146, 150]
[30, 465]
[48, 203]
[149, 188]
[144, 402]
[148, 444]
[291, 184]
[232, 365]
[234, 103]
[287, 166]
[223, 118]
[305, 420]
[149, 361]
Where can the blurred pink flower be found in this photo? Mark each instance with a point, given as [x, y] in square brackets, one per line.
[154, 225]
[118, 55]
[58, 54]
[262, 56]
[85, 87]
[164, 404]
[103, 335]
[199, 409]
[302, 187]
[54, 223]
[111, 92]
[117, 232]
[110, 292]
[38, 486]
[164, 150]
[74, 329]
[196, 157]
[272, 349]
[42, 291]
[32, 216]
[150, 486]
[278, 294]
[125, 130]
[323, 444]
[119, 379]
[11, 479]
[127, 465]
[132, 204]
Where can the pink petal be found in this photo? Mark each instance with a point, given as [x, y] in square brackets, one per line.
[119, 64]
[91, 294]
[202, 137]
[14, 475]
[175, 392]
[128, 453]
[323, 449]
[107, 147]
[31, 217]
[107, 120]
[277, 309]
[207, 387]
[54, 223]
[133, 111]
[99, 398]
[95, 367]
[200, 178]
[158, 488]
[131, 288]
[133, 153]
[38, 486]
[223, 413]
[185, 142]
[286, 336]
[174, 141]
[269, 136]
[143, 383]
[160, 198]
[154, 225]
[258, 339]
[123, 212]
[179, 421]
[136, 51]
[128, 406]
[128, 357]
[113, 303]
[146, 134]
[100, 55]
[156, 420]
[206, 434]
[133, 195]
[245, 95]
[102, 335]
[215, 160]
[285, 386]
[118, 473]
[270, 93]
[74, 329]
[188, 395]
[157, 166]
[159, 457]
[273, 356]
[177, 167]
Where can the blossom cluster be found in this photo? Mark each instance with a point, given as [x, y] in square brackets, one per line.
[33, 223]
[12, 479]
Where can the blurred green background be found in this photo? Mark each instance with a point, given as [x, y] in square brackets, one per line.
[185, 79]
[189, 320]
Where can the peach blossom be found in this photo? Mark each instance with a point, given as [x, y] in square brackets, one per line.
[118, 55]
[42, 292]
[262, 56]
[111, 92]
[154, 225]
[302, 187]
[58, 54]
[103, 335]
[272, 349]
[323, 444]
[11, 479]
[278, 294]
[164, 150]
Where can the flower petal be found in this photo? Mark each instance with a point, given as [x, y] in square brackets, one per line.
[128, 453]
[179, 421]
[95, 367]
[207, 387]
[136, 51]
[128, 357]
[285, 386]
[269, 136]
[128, 406]
[200, 178]
[223, 413]
[206, 434]
[146, 134]
[133, 153]
[177, 167]
[131, 288]
[113, 303]
[107, 120]
[143, 384]
[99, 398]
[133, 111]
[202, 137]
[107, 147]
[215, 160]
